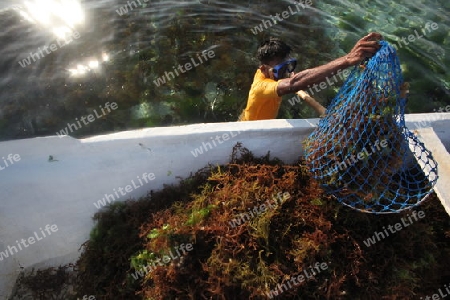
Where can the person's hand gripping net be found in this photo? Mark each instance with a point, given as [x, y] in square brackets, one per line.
[366, 47]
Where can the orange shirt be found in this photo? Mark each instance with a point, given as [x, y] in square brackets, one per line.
[263, 101]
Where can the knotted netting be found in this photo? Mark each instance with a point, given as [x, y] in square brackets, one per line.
[361, 152]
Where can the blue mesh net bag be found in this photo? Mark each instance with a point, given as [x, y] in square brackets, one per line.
[361, 152]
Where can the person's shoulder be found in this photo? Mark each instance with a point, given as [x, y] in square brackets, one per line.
[261, 79]
[264, 86]
[258, 75]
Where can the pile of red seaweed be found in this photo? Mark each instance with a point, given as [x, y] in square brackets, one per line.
[250, 230]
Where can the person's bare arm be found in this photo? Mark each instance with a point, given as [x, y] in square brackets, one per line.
[364, 48]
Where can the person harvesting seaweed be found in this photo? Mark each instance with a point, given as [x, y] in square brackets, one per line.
[275, 76]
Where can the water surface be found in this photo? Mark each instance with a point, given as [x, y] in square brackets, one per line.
[65, 64]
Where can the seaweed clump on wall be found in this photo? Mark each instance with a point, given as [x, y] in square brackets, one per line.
[252, 226]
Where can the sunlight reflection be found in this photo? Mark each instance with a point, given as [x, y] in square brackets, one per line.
[105, 56]
[60, 17]
[26, 16]
[91, 66]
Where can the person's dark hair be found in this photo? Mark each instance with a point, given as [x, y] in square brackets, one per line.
[272, 49]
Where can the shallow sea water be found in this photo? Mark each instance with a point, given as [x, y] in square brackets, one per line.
[61, 61]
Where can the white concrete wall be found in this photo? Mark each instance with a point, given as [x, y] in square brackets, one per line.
[441, 155]
[36, 192]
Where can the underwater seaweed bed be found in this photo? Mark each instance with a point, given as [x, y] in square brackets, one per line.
[245, 229]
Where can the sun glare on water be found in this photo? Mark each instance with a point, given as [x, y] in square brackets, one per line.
[60, 17]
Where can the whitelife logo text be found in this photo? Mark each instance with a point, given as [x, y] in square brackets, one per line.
[265, 24]
[11, 250]
[362, 155]
[131, 4]
[12, 158]
[259, 209]
[163, 261]
[53, 47]
[296, 280]
[197, 151]
[429, 26]
[187, 66]
[128, 189]
[378, 236]
[89, 118]
[322, 85]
